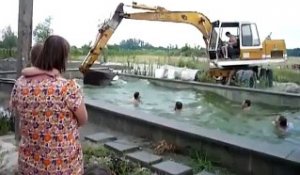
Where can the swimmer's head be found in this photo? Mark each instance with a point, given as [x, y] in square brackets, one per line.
[246, 103]
[136, 95]
[178, 106]
[282, 121]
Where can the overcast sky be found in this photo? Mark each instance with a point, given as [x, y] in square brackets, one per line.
[77, 20]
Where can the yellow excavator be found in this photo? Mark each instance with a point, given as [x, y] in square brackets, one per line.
[249, 59]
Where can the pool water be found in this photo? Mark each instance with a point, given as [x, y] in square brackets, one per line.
[203, 109]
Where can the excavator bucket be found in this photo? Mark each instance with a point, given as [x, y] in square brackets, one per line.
[105, 76]
[99, 77]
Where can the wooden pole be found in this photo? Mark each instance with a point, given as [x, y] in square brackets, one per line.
[24, 45]
[24, 34]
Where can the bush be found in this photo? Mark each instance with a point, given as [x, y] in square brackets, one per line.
[5, 53]
[286, 75]
[6, 122]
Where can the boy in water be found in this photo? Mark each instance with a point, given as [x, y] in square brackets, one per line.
[282, 126]
[136, 99]
[178, 106]
[246, 105]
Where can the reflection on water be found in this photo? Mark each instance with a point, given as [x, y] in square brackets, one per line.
[203, 109]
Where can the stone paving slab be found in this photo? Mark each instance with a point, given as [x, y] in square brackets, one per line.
[144, 158]
[205, 173]
[100, 137]
[121, 146]
[172, 168]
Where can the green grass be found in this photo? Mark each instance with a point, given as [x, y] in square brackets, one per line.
[283, 74]
[5, 53]
[199, 162]
[5, 123]
[286, 75]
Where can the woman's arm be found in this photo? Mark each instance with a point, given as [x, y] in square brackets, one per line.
[32, 71]
[75, 102]
[81, 114]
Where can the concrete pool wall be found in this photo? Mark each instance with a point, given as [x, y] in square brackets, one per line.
[242, 155]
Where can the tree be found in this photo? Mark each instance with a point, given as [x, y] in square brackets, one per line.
[86, 48]
[75, 51]
[9, 40]
[43, 30]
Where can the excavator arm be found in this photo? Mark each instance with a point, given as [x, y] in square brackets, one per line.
[104, 33]
[200, 21]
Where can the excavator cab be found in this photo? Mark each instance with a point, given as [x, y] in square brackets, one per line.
[249, 37]
[249, 50]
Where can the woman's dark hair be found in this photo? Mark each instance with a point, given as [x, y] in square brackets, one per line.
[54, 54]
[35, 52]
[227, 33]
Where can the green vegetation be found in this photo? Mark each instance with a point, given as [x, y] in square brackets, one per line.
[293, 52]
[199, 162]
[42, 30]
[286, 75]
[6, 124]
[114, 164]
[136, 51]
[132, 48]
[8, 44]
[109, 161]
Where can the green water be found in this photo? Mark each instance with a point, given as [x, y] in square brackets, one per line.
[202, 109]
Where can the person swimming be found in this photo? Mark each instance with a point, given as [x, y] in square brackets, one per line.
[178, 106]
[136, 99]
[282, 125]
[246, 105]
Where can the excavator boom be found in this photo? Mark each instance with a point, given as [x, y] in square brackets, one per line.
[104, 33]
[200, 21]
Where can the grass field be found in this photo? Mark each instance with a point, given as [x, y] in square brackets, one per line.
[282, 73]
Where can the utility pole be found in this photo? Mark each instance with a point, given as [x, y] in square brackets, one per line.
[24, 33]
[24, 46]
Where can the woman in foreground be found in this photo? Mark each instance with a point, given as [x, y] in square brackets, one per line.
[50, 109]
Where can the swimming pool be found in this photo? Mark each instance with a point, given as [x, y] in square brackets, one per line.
[203, 109]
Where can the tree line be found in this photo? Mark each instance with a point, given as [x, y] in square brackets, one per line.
[8, 42]
[293, 52]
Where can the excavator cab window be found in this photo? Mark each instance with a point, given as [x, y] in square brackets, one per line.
[250, 35]
[218, 39]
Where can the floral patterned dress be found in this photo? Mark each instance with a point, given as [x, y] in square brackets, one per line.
[49, 131]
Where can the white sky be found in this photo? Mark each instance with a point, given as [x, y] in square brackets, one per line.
[77, 20]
